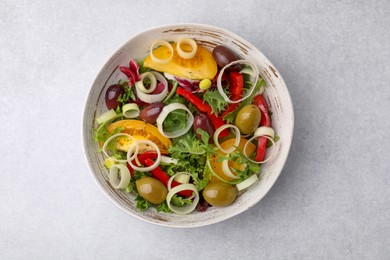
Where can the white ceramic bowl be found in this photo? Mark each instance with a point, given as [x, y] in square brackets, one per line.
[137, 48]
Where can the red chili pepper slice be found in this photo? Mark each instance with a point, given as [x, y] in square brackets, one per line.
[260, 102]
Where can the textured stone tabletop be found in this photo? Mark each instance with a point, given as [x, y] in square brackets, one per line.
[332, 200]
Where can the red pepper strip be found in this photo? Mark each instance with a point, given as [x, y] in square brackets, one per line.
[236, 82]
[230, 108]
[200, 105]
[203, 107]
[260, 102]
[131, 170]
[143, 156]
[217, 123]
[147, 160]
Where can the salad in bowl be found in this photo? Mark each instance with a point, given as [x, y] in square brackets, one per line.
[185, 127]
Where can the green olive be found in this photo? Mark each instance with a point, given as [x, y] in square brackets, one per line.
[248, 119]
[151, 190]
[219, 194]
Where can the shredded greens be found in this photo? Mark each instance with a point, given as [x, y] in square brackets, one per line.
[141, 203]
[191, 154]
[180, 201]
[101, 134]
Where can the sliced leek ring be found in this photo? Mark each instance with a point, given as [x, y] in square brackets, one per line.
[121, 170]
[161, 43]
[227, 171]
[264, 130]
[131, 110]
[165, 112]
[131, 156]
[104, 148]
[236, 141]
[153, 82]
[184, 54]
[188, 208]
[249, 92]
[248, 182]
[272, 149]
[106, 116]
[151, 98]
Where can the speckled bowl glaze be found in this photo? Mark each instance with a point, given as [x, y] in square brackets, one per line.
[137, 48]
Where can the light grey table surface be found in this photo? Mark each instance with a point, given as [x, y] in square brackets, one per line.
[332, 198]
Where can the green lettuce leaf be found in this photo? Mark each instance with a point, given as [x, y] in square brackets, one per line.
[180, 201]
[215, 100]
[141, 203]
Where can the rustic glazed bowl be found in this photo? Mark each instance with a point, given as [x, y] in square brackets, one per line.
[137, 48]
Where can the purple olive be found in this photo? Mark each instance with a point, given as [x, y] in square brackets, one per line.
[112, 94]
[203, 122]
[223, 56]
[150, 113]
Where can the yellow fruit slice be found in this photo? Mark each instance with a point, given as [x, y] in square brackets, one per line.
[217, 166]
[201, 66]
[142, 131]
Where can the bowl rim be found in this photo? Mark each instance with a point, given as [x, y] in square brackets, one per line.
[210, 221]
